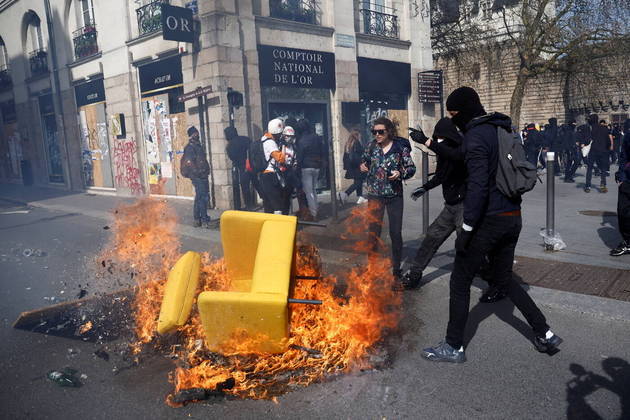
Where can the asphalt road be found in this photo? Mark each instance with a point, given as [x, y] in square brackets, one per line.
[504, 377]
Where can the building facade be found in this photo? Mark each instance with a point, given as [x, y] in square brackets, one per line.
[89, 89]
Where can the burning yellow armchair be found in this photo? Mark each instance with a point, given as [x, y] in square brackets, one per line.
[258, 250]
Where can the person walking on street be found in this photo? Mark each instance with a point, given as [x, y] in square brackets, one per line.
[533, 143]
[623, 199]
[450, 172]
[310, 160]
[491, 226]
[570, 150]
[236, 149]
[553, 142]
[387, 162]
[351, 161]
[194, 166]
[599, 155]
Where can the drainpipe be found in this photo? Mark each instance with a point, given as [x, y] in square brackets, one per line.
[57, 92]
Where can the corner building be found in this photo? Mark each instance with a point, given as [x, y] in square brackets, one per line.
[95, 106]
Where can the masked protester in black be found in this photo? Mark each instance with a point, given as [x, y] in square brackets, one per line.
[570, 150]
[533, 143]
[492, 224]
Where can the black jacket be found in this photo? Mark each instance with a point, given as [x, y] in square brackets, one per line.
[237, 150]
[601, 139]
[534, 140]
[450, 171]
[352, 161]
[568, 136]
[310, 151]
[194, 163]
[482, 158]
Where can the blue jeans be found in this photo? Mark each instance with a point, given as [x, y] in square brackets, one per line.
[309, 185]
[202, 197]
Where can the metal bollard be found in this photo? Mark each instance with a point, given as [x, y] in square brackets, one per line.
[550, 227]
[425, 197]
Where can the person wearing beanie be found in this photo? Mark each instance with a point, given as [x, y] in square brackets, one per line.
[623, 199]
[570, 150]
[194, 165]
[491, 227]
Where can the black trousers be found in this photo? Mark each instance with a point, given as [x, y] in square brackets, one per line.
[623, 210]
[601, 160]
[357, 186]
[496, 236]
[276, 196]
[573, 158]
[394, 207]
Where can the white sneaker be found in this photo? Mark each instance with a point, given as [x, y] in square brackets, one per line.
[362, 200]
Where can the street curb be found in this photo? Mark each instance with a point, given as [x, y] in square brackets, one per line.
[600, 307]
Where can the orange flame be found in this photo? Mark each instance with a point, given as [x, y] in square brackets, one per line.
[334, 337]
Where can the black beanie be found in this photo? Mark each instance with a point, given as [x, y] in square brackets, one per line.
[465, 99]
[446, 129]
[192, 130]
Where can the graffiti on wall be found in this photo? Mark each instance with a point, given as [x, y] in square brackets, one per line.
[127, 172]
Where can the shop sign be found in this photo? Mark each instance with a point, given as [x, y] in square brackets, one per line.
[89, 93]
[177, 23]
[161, 74]
[292, 67]
[381, 76]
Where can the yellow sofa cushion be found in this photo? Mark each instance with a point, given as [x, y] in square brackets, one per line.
[179, 292]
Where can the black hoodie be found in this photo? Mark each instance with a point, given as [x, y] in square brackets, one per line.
[450, 171]
[482, 158]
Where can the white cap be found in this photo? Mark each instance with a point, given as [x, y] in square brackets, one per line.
[275, 126]
[288, 131]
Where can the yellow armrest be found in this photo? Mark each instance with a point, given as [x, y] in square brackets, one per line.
[179, 292]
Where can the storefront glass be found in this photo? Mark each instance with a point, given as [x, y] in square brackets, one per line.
[51, 139]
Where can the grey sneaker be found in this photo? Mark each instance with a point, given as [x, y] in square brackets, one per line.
[443, 352]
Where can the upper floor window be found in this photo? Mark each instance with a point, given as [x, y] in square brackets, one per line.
[37, 56]
[84, 38]
[305, 11]
[5, 76]
[149, 14]
[378, 19]
[87, 13]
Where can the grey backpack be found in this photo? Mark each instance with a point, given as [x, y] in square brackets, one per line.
[515, 175]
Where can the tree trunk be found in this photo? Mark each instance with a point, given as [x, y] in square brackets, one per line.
[516, 102]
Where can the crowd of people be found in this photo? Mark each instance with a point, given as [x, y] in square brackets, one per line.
[486, 217]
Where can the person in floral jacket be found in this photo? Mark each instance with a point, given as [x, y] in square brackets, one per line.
[387, 162]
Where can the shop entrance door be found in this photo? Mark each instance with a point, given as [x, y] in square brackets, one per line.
[317, 115]
[97, 164]
[164, 141]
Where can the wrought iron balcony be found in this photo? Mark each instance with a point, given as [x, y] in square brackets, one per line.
[150, 17]
[6, 82]
[84, 40]
[38, 60]
[379, 20]
[305, 11]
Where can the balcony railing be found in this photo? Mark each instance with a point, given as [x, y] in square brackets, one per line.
[84, 40]
[305, 11]
[6, 82]
[380, 20]
[150, 17]
[38, 60]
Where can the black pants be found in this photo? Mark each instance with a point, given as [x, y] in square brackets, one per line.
[276, 196]
[496, 236]
[394, 207]
[601, 160]
[623, 210]
[450, 219]
[532, 156]
[202, 197]
[572, 158]
[357, 185]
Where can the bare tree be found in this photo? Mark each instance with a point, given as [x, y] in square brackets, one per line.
[547, 36]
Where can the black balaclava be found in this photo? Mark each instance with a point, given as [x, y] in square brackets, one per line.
[446, 129]
[230, 133]
[466, 101]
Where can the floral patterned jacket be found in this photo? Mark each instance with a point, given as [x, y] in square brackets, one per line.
[398, 158]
